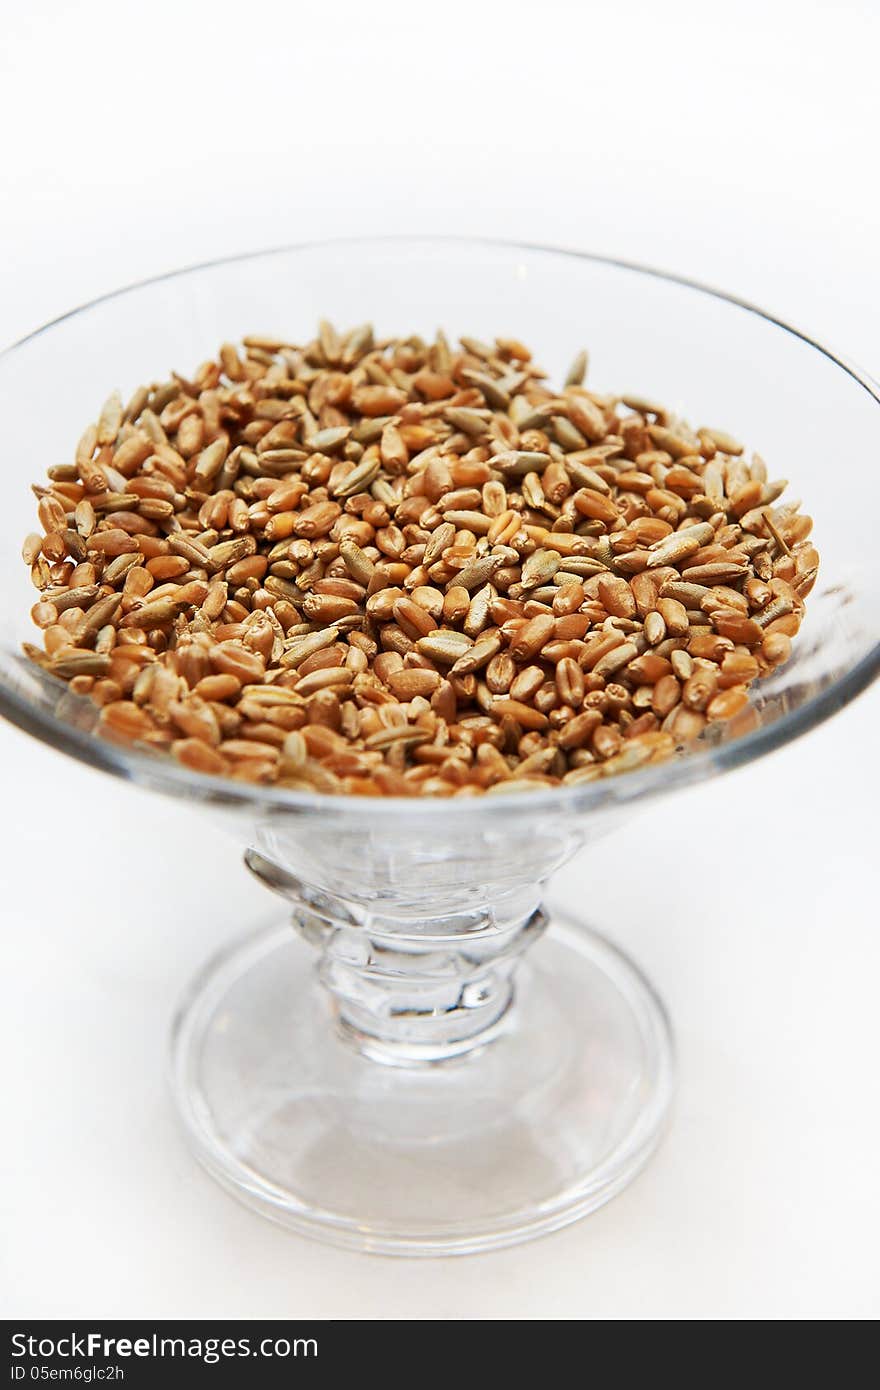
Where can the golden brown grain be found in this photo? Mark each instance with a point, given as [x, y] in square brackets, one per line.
[410, 568]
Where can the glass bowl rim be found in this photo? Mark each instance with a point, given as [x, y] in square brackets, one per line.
[161, 772]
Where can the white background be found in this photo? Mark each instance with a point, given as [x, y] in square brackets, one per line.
[735, 144]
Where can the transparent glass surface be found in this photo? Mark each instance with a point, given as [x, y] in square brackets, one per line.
[427, 1064]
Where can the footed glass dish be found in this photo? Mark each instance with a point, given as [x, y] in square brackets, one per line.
[415, 1059]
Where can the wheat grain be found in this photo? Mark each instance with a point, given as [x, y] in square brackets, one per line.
[404, 568]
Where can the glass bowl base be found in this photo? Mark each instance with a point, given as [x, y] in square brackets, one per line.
[526, 1133]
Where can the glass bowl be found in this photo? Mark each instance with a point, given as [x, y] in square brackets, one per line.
[394, 1075]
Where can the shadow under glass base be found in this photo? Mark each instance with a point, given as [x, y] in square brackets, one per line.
[539, 1126]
